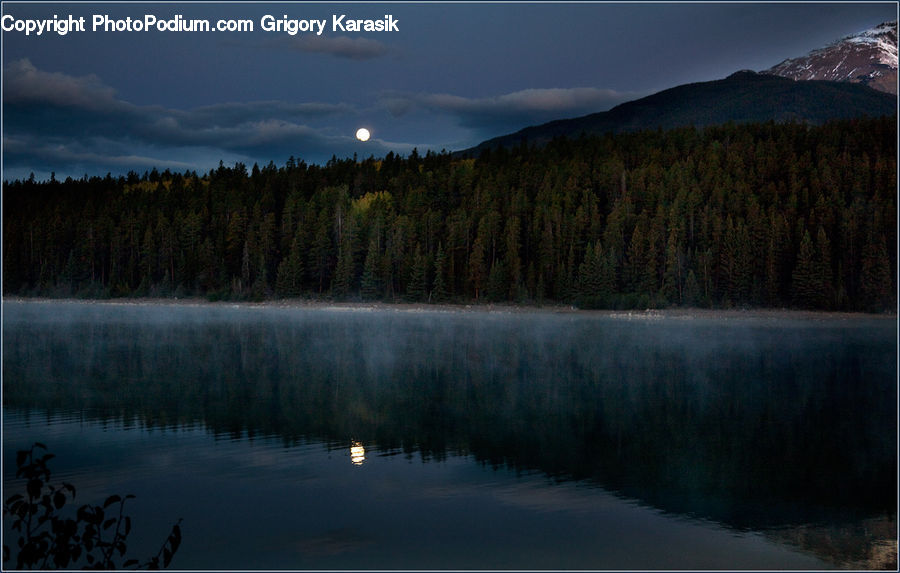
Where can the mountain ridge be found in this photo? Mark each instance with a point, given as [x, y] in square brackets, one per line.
[743, 97]
[809, 89]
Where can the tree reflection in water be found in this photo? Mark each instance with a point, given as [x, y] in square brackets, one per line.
[756, 424]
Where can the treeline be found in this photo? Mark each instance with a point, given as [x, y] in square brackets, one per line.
[736, 215]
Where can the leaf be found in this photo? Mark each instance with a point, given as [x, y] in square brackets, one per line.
[175, 538]
[69, 487]
[167, 557]
[34, 487]
[61, 559]
[108, 523]
[111, 500]
[130, 563]
[40, 445]
[21, 457]
[127, 525]
[59, 499]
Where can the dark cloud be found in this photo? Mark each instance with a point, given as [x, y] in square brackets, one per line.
[76, 124]
[240, 112]
[69, 124]
[521, 108]
[85, 155]
[338, 46]
[24, 83]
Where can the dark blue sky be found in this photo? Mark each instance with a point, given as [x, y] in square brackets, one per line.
[451, 76]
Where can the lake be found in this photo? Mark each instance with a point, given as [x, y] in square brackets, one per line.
[342, 438]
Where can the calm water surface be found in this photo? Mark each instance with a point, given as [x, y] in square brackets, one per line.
[327, 438]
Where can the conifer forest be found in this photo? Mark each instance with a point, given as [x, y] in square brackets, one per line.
[751, 215]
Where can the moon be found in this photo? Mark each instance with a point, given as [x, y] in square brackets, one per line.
[362, 134]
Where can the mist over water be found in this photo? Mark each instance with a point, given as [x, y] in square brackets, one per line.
[704, 430]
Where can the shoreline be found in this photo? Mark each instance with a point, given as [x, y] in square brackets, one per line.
[488, 308]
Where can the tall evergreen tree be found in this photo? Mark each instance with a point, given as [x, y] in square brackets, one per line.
[673, 281]
[439, 288]
[805, 285]
[417, 287]
[289, 281]
[876, 274]
[370, 287]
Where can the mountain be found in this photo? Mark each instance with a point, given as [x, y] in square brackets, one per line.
[743, 97]
[869, 58]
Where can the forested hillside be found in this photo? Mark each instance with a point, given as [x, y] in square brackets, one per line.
[742, 97]
[737, 215]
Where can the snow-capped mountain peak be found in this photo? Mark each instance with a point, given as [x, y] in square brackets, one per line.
[869, 57]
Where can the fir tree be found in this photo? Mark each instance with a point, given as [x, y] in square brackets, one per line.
[289, 281]
[417, 287]
[876, 275]
[805, 287]
[370, 288]
[439, 289]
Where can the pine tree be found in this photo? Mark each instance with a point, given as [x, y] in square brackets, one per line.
[497, 288]
[289, 280]
[673, 278]
[244, 283]
[439, 289]
[344, 271]
[823, 270]
[589, 272]
[876, 275]
[691, 290]
[477, 269]
[370, 287]
[417, 287]
[608, 271]
[344, 231]
[260, 283]
[513, 260]
[636, 260]
[805, 287]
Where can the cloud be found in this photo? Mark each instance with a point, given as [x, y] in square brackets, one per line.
[238, 112]
[338, 46]
[62, 153]
[78, 124]
[58, 122]
[521, 108]
[24, 83]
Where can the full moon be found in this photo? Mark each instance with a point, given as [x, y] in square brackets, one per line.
[362, 134]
